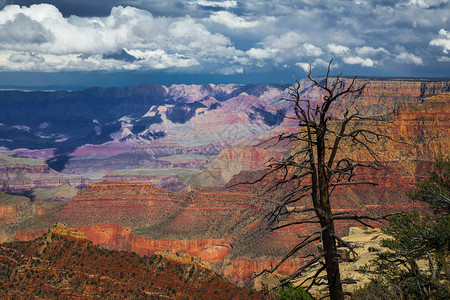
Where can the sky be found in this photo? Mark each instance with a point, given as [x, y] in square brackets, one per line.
[119, 43]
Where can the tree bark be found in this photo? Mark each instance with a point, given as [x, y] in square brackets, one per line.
[331, 259]
[326, 220]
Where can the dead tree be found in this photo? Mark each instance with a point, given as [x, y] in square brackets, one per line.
[315, 168]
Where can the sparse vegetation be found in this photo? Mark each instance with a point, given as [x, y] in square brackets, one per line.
[289, 292]
[103, 273]
[418, 263]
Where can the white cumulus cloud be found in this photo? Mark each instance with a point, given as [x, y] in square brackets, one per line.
[443, 40]
[427, 3]
[223, 4]
[286, 48]
[409, 58]
[370, 51]
[225, 36]
[338, 49]
[94, 43]
[356, 60]
[232, 21]
[318, 62]
[311, 50]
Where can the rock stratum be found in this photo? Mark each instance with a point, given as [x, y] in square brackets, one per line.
[24, 174]
[205, 151]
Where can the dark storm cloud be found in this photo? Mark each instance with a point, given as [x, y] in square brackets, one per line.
[23, 30]
[82, 8]
[102, 8]
[122, 55]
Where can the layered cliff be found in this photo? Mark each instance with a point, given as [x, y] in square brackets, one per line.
[15, 211]
[114, 129]
[418, 120]
[115, 202]
[100, 127]
[22, 174]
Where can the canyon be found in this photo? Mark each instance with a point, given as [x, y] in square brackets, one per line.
[164, 171]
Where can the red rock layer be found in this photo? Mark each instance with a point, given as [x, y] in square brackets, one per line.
[113, 202]
[243, 269]
[170, 183]
[116, 236]
[64, 264]
[232, 160]
[382, 97]
[28, 235]
[211, 251]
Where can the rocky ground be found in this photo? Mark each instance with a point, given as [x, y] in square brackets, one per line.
[366, 245]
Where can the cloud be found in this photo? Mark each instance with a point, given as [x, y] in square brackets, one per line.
[443, 40]
[24, 57]
[303, 65]
[261, 54]
[444, 59]
[22, 30]
[280, 49]
[356, 60]
[338, 49]
[409, 58]
[370, 51]
[222, 4]
[122, 55]
[231, 70]
[98, 43]
[232, 21]
[315, 63]
[284, 49]
[427, 3]
[159, 59]
[286, 41]
[311, 50]
[210, 36]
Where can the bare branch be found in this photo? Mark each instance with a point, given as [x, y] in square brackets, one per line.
[353, 183]
[306, 241]
[345, 244]
[299, 271]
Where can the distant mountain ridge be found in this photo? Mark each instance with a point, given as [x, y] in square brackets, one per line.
[66, 120]
[96, 130]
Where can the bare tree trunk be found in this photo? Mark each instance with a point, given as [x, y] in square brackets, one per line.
[331, 259]
[326, 221]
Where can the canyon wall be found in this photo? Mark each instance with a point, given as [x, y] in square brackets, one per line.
[24, 174]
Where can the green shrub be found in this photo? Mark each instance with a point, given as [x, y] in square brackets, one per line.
[290, 292]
